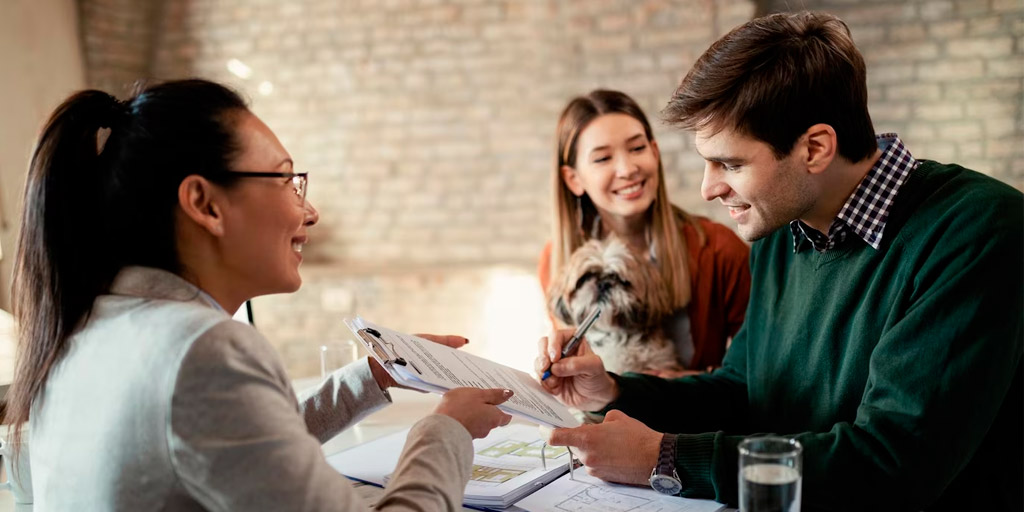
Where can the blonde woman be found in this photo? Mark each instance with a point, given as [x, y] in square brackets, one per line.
[608, 179]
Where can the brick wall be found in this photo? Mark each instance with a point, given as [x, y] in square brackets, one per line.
[427, 127]
[428, 124]
[117, 42]
[946, 75]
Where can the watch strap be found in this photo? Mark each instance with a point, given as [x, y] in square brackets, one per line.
[667, 455]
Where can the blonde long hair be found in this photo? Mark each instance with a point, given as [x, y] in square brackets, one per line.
[570, 214]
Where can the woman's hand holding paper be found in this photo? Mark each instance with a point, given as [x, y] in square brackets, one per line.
[476, 409]
[381, 375]
[445, 339]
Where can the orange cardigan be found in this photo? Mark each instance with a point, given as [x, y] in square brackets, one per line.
[719, 284]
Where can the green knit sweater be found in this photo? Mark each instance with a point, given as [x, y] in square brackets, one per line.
[899, 369]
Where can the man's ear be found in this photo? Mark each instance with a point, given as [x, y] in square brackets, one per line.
[822, 146]
[197, 198]
[571, 177]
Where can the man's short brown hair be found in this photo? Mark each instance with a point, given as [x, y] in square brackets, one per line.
[773, 77]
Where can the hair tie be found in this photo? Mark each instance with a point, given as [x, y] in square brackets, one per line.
[113, 116]
[115, 113]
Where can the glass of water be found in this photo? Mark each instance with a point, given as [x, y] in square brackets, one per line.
[335, 354]
[770, 474]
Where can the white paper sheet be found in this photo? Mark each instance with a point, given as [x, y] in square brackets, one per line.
[437, 368]
[587, 493]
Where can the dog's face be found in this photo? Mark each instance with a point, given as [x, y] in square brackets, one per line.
[629, 289]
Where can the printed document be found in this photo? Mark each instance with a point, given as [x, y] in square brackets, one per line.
[585, 492]
[422, 364]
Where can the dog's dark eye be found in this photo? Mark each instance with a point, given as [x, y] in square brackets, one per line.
[622, 282]
[584, 278]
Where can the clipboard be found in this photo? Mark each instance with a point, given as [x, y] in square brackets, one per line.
[373, 339]
[421, 364]
[402, 370]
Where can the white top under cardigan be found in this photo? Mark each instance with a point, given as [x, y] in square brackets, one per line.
[164, 403]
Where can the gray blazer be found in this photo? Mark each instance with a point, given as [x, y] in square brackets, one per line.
[163, 402]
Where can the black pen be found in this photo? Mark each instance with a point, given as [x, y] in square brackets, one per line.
[570, 347]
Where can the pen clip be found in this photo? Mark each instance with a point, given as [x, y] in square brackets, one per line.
[581, 330]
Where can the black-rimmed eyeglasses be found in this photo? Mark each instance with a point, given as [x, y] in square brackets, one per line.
[299, 179]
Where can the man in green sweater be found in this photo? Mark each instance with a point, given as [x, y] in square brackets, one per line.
[884, 330]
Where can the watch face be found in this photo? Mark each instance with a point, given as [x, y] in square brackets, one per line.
[666, 484]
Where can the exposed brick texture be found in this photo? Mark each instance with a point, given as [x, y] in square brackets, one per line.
[117, 39]
[946, 75]
[429, 122]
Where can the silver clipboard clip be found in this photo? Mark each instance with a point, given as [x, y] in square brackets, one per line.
[376, 342]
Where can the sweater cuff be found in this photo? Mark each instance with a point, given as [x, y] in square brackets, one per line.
[628, 393]
[693, 463]
[359, 378]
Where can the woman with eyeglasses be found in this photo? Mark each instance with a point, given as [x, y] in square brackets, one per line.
[145, 223]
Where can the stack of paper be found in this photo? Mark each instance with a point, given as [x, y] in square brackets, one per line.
[507, 464]
[421, 364]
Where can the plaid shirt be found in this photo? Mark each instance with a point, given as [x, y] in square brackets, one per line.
[867, 209]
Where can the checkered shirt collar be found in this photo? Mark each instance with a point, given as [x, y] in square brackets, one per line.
[867, 209]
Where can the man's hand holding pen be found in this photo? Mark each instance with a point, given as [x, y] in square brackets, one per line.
[578, 380]
[581, 381]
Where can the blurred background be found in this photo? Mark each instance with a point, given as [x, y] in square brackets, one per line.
[427, 125]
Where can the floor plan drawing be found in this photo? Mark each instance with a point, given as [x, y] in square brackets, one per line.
[600, 499]
[530, 449]
[488, 474]
[586, 493]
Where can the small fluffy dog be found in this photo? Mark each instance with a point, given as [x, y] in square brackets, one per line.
[629, 335]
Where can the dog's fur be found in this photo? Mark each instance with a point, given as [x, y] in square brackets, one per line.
[629, 335]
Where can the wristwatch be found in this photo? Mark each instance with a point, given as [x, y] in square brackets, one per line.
[664, 478]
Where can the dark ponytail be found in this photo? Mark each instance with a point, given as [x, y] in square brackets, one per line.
[101, 195]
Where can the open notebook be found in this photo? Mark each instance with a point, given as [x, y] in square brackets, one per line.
[506, 464]
[508, 474]
[422, 364]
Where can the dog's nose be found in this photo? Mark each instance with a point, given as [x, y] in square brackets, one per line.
[603, 286]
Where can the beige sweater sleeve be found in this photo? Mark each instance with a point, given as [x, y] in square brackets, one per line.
[239, 441]
[436, 464]
[345, 397]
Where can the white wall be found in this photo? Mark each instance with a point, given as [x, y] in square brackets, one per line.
[40, 64]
